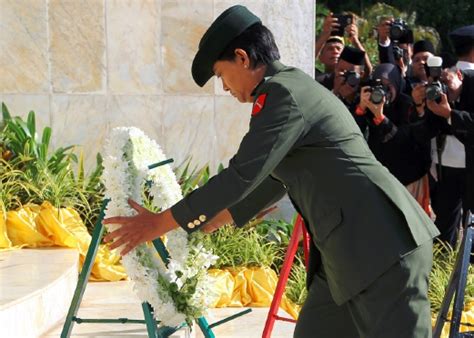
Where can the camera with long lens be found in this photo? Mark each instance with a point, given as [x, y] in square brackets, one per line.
[398, 29]
[352, 78]
[378, 91]
[434, 89]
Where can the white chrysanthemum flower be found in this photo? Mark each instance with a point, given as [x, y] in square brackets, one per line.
[128, 154]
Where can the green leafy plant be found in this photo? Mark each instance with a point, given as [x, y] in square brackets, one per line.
[444, 258]
[192, 178]
[273, 230]
[34, 173]
[240, 247]
[296, 286]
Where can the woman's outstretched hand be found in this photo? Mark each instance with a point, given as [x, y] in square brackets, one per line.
[143, 227]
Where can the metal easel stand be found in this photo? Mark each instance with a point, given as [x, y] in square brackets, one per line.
[299, 230]
[154, 331]
[457, 286]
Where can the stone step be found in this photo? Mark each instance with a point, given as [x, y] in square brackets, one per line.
[36, 288]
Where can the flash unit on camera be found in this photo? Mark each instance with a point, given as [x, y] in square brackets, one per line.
[434, 61]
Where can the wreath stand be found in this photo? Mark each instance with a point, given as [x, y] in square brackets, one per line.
[152, 326]
[457, 286]
[299, 230]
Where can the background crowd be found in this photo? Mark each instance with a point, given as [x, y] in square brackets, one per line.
[414, 105]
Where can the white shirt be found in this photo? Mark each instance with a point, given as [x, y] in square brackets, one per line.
[454, 154]
[464, 65]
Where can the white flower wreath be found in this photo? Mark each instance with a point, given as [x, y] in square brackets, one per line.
[181, 291]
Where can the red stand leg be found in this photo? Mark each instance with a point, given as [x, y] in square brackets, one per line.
[298, 231]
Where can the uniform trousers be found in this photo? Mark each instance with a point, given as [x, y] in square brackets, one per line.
[395, 305]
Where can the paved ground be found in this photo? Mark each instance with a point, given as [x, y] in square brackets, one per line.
[115, 300]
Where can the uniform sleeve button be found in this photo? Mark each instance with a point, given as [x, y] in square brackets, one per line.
[202, 218]
[196, 222]
[191, 225]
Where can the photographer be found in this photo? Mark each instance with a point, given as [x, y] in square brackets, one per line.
[333, 31]
[350, 59]
[422, 50]
[395, 43]
[454, 190]
[392, 131]
[329, 58]
[328, 46]
[347, 76]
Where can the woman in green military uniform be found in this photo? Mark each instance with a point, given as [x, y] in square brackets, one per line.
[371, 248]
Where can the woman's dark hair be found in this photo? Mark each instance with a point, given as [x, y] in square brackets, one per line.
[258, 42]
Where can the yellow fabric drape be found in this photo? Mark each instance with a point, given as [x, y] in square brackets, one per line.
[43, 226]
[4, 240]
[253, 286]
[466, 317]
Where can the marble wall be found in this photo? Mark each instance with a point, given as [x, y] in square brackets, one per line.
[86, 66]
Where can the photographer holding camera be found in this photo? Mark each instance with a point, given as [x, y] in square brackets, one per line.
[392, 127]
[328, 52]
[455, 189]
[328, 45]
[416, 83]
[395, 43]
[347, 77]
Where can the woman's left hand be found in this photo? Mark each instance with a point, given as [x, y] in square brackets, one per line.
[143, 227]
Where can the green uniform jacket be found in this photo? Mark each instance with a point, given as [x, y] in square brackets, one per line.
[305, 142]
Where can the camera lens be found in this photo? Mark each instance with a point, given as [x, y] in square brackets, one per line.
[352, 78]
[377, 95]
[433, 92]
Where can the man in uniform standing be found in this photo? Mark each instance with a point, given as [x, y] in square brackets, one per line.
[371, 248]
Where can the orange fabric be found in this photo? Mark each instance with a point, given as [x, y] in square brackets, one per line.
[420, 190]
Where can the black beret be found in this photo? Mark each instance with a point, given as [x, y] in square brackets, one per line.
[449, 60]
[229, 25]
[352, 55]
[423, 46]
[463, 35]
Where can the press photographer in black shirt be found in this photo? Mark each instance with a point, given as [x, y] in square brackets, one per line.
[457, 106]
[393, 131]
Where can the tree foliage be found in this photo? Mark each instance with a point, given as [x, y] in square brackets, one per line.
[438, 17]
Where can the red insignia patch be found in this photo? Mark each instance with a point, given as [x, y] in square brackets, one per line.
[258, 105]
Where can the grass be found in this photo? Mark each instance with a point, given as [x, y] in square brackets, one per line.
[296, 286]
[241, 247]
[444, 258]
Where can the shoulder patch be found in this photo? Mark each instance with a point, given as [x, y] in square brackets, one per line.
[259, 104]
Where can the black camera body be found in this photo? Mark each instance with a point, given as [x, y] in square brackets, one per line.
[352, 78]
[398, 29]
[434, 90]
[433, 69]
[378, 91]
[344, 21]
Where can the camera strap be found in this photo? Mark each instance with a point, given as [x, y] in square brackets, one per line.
[440, 144]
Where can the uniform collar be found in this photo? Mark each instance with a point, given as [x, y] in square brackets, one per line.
[272, 69]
